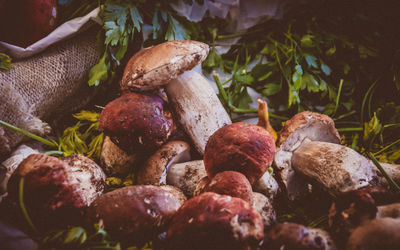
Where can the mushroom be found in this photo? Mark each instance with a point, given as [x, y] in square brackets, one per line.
[52, 192]
[116, 161]
[338, 169]
[391, 210]
[304, 125]
[157, 65]
[377, 234]
[266, 185]
[196, 107]
[186, 175]
[213, 221]
[90, 176]
[393, 170]
[134, 214]
[201, 186]
[297, 237]
[154, 170]
[179, 195]
[241, 147]
[231, 183]
[264, 207]
[137, 122]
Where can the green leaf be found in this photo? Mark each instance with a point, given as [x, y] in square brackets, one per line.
[213, 60]
[293, 96]
[311, 61]
[245, 78]
[98, 73]
[136, 18]
[5, 62]
[372, 128]
[271, 89]
[268, 49]
[331, 51]
[311, 83]
[175, 30]
[113, 33]
[86, 115]
[75, 235]
[325, 68]
[307, 41]
[156, 24]
[329, 109]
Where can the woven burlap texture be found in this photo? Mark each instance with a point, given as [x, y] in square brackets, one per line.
[54, 81]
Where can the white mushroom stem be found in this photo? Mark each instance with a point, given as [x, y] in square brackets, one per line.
[264, 206]
[337, 168]
[186, 176]
[266, 185]
[197, 107]
[154, 170]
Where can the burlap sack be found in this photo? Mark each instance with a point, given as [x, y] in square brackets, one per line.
[52, 81]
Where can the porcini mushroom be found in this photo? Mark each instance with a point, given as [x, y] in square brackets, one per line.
[304, 125]
[116, 161]
[266, 185]
[52, 192]
[264, 207]
[241, 147]
[186, 175]
[196, 107]
[295, 236]
[338, 169]
[157, 65]
[231, 183]
[154, 170]
[213, 221]
[137, 122]
[134, 214]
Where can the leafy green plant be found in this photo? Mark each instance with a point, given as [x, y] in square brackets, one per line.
[5, 62]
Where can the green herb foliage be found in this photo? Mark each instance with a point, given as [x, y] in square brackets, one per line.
[5, 62]
[123, 22]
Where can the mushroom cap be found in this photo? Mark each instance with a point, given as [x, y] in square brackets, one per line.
[134, 214]
[302, 126]
[157, 65]
[213, 221]
[90, 176]
[179, 195]
[186, 175]
[297, 237]
[231, 183]
[137, 122]
[377, 234]
[154, 170]
[52, 193]
[241, 147]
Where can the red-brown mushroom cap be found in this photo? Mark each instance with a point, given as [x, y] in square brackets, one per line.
[231, 183]
[213, 221]
[241, 147]
[134, 214]
[52, 193]
[137, 121]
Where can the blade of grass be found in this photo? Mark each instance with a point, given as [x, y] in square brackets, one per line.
[379, 166]
[22, 205]
[338, 97]
[387, 147]
[29, 134]
[365, 100]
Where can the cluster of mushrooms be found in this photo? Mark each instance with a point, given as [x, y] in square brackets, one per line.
[202, 182]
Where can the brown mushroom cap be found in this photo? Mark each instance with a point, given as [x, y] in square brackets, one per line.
[231, 183]
[134, 214]
[241, 147]
[213, 221]
[157, 65]
[305, 125]
[154, 170]
[137, 122]
[297, 237]
[90, 176]
[52, 193]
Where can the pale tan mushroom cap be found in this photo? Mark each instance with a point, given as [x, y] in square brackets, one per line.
[157, 65]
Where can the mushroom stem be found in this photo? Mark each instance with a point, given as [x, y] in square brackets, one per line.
[197, 107]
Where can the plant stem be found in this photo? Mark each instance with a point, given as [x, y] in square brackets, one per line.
[29, 134]
[385, 148]
[22, 205]
[350, 129]
[338, 97]
[378, 165]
